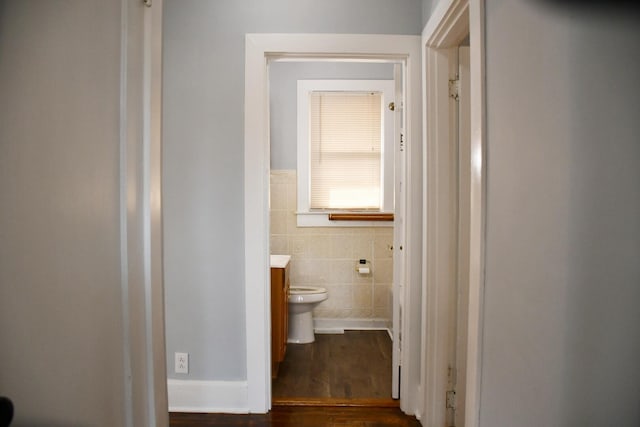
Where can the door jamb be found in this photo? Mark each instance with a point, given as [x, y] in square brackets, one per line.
[451, 20]
[258, 49]
[144, 360]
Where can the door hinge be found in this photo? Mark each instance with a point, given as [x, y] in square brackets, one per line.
[451, 399]
[147, 2]
[454, 88]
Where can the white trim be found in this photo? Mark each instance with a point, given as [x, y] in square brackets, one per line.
[258, 49]
[447, 26]
[399, 233]
[256, 226]
[477, 230]
[207, 396]
[463, 240]
[145, 396]
[124, 224]
[338, 326]
[440, 222]
[156, 356]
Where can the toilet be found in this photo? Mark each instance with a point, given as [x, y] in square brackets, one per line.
[302, 301]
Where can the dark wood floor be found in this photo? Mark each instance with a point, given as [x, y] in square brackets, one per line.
[291, 416]
[337, 381]
[356, 364]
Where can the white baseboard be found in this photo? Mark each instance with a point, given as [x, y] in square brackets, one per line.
[338, 326]
[208, 396]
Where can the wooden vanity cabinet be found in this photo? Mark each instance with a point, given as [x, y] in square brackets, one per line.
[279, 316]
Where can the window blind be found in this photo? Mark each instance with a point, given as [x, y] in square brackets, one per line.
[345, 150]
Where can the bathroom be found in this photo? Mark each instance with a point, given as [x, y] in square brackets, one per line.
[329, 255]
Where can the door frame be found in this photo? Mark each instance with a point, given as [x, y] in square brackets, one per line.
[448, 25]
[259, 48]
[141, 277]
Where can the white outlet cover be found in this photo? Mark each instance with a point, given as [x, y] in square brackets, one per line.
[182, 363]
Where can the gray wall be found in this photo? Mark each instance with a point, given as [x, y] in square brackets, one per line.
[562, 322]
[283, 99]
[203, 159]
[427, 6]
[61, 342]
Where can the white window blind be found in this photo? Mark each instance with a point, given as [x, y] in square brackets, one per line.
[345, 150]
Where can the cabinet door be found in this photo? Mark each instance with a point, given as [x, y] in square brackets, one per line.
[277, 315]
[285, 312]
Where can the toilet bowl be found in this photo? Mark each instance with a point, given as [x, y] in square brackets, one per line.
[302, 301]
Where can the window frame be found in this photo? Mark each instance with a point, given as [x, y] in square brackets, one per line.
[319, 218]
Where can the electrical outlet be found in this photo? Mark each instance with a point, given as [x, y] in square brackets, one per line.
[182, 363]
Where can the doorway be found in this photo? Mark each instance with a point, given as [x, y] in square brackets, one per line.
[259, 50]
[455, 212]
[352, 354]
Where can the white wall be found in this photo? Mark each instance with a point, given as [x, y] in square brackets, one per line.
[203, 159]
[77, 330]
[562, 322]
[62, 343]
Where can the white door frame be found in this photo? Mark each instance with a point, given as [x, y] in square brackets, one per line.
[258, 49]
[399, 231]
[145, 393]
[450, 22]
[156, 385]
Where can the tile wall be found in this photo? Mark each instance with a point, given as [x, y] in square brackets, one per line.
[327, 257]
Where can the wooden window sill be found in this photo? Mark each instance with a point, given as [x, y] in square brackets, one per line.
[360, 217]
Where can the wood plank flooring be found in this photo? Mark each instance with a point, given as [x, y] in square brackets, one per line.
[337, 381]
[291, 416]
[353, 365]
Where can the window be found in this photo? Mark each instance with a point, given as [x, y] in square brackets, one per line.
[345, 148]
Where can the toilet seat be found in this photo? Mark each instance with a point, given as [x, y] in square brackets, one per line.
[306, 290]
[307, 294]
